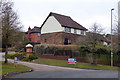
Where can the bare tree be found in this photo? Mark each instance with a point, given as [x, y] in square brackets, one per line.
[95, 37]
[10, 25]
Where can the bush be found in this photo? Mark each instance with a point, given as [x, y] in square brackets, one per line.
[84, 50]
[30, 58]
[12, 55]
[102, 51]
[26, 59]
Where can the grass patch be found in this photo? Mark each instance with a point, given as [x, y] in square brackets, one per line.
[10, 67]
[77, 65]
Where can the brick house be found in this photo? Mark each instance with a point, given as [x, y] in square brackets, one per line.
[60, 29]
[34, 34]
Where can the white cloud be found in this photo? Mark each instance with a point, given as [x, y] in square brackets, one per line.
[28, 1]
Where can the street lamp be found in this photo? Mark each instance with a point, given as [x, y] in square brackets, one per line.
[111, 41]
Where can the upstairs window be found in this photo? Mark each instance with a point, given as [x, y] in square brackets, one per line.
[39, 34]
[82, 32]
[67, 29]
[75, 31]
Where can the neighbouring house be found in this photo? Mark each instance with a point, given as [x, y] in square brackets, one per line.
[100, 38]
[60, 29]
[34, 34]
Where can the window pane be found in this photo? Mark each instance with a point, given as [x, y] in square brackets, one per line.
[67, 29]
[75, 31]
[82, 32]
[38, 34]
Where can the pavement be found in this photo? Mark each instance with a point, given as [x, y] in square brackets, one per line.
[48, 71]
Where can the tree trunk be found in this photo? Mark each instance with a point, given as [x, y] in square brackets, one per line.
[94, 54]
[94, 58]
[6, 52]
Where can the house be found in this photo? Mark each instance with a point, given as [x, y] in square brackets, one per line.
[34, 34]
[60, 29]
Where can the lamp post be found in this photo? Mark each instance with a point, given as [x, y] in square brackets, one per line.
[111, 41]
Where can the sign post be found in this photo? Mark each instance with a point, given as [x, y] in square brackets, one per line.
[15, 61]
[72, 61]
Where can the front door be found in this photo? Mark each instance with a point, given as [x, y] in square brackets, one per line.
[66, 42]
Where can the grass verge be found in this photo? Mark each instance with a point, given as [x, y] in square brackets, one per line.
[10, 67]
[77, 65]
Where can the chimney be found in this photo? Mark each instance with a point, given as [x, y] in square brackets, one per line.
[29, 29]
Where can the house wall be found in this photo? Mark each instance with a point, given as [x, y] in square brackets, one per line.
[51, 25]
[59, 38]
[72, 30]
[35, 37]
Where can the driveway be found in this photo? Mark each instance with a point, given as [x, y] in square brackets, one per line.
[48, 71]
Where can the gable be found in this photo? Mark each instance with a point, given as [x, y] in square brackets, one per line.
[51, 25]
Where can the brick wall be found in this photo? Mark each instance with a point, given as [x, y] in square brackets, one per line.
[58, 38]
[34, 37]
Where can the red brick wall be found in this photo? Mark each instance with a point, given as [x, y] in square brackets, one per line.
[34, 37]
[58, 38]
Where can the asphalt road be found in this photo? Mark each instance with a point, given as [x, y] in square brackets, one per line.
[48, 71]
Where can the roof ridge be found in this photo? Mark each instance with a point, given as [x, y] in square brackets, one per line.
[60, 14]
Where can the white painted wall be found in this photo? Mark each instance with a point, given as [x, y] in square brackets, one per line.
[72, 30]
[79, 32]
[51, 25]
[84, 32]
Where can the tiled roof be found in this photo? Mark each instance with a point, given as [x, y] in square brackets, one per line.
[65, 21]
[35, 29]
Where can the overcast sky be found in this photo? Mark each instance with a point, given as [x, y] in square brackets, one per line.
[85, 12]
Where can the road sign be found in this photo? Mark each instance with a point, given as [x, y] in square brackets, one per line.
[72, 61]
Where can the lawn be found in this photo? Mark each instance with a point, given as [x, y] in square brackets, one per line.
[77, 65]
[9, 68]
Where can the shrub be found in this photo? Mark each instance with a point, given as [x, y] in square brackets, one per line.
[84, 50]
[102, 51]
[32, 57]
[12, 55]
[26, 59]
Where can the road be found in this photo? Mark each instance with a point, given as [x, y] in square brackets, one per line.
[48, 71]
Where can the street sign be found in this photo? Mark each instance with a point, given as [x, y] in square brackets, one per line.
[72, 61]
